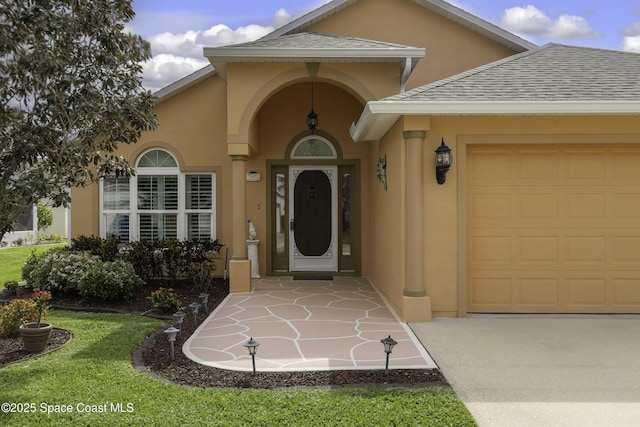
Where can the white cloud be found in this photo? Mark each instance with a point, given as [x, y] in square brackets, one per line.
[176, 55]
[631, 41]
[631, 44]
[532, 21]
[164, 69]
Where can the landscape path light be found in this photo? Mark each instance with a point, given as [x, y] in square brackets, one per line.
[252, 346]
[179, 316]
[171, 336]
[388, 343]
[205, 299]
[195, 306]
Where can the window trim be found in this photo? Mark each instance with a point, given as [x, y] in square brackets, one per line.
[182, 212]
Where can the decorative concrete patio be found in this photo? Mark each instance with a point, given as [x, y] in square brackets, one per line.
[306, 325]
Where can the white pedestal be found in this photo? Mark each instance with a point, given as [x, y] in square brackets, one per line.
[252, 253]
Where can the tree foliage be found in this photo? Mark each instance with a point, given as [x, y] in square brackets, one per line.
[70, 94]
[45, 216]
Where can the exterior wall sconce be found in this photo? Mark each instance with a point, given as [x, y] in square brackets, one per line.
[444, 160]
[312, 117]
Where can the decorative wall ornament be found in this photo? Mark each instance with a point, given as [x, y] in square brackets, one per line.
[382, 171]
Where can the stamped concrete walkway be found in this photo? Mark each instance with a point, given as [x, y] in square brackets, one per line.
[305, 325]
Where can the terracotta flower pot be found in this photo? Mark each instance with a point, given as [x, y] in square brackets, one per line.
[35, 339]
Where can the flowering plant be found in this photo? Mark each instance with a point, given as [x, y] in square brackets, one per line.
[14, 314]
[165, 299]
[40, 299]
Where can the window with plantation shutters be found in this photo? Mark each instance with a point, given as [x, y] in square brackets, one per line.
[159, 202]
[116, 207]
[199, 205]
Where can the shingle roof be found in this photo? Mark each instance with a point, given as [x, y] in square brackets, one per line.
[553, 72]
[315, 47]
[314, 40]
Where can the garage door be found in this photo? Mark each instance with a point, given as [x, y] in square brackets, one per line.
[553, 228]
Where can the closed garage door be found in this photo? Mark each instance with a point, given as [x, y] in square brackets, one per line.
[553, 228]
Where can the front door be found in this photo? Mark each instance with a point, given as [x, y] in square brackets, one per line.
[313, 218]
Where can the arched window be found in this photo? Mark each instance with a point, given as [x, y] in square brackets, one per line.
[159, 202]
[313, 147]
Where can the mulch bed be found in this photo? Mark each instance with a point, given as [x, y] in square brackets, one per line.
[11, 349]
[153, 357]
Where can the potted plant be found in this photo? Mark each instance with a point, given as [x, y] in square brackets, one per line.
[14, 314]
[35, 335]
[10, 287]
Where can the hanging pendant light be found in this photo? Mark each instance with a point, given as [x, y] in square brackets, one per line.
[312, 117]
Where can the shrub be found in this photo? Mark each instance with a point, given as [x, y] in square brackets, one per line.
[14, 314]
[34, 269]
[171, 258]
[107, 249]
[58, 271]
[11, 285]
[110, 281]
[45, 217]
[165, 299]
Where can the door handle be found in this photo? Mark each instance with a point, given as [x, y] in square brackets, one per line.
[292, 224]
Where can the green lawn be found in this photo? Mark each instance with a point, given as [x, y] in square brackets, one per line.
[12, 260]
[94, 372]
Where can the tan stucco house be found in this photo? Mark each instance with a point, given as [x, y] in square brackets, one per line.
[539, 211]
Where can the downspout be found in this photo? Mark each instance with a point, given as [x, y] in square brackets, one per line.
[405, 73]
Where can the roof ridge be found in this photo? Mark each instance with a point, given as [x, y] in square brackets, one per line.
[601, 49]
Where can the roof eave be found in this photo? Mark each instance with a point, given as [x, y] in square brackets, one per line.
[220, 57]
[184, 83]
[379, 116]
[240, 53]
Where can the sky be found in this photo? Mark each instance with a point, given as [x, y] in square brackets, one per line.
[179, 29]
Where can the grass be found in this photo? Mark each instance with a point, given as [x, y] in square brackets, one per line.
[12, 260]
[94, 372]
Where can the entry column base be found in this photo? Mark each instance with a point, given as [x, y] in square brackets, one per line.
[239, 275]
[416, 309]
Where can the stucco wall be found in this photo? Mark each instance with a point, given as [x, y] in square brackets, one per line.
[450, 48]
[444, 206]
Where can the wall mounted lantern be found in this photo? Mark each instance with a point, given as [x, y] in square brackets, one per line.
[312, 117]
[444, 160]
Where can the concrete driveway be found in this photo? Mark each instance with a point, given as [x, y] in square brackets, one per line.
[541, 370]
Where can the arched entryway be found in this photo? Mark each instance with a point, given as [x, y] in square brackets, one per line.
[313, 209]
